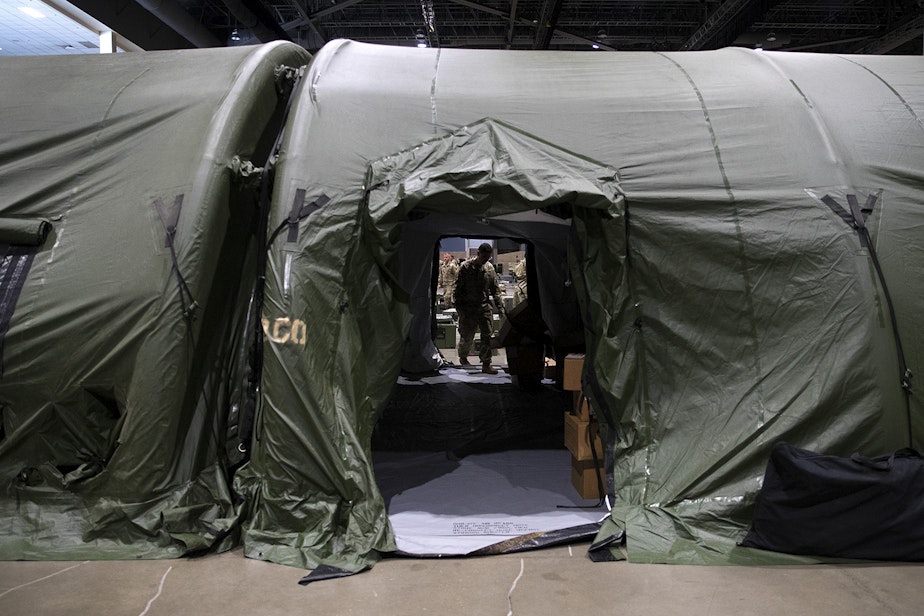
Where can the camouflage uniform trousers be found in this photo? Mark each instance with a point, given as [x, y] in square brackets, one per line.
[471, 320]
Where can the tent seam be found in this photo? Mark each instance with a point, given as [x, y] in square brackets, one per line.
[838, 156]
[891, 89]
[433, 112]
[738, 233]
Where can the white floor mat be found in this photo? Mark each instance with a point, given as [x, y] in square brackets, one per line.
[439, 506]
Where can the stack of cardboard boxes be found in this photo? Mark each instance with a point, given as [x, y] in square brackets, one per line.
[581, 435]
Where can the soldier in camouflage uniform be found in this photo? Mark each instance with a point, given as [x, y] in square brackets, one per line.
[476, 284]
[447, 281]
[519, 277]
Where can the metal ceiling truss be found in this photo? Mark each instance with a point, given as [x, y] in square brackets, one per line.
[841, 26]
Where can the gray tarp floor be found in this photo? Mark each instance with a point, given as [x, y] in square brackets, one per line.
[441, 506]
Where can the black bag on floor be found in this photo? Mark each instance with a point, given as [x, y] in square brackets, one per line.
[856, 507]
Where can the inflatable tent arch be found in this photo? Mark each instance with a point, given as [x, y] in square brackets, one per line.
[122, 373]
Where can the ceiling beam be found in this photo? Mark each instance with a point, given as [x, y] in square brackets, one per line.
[260, 23]
[548, 18]
[176, 17]
[309, 18]
[715, 23]
[141, 27]
[530, 23]
[91, 23]
[513, 22]
[897, 37]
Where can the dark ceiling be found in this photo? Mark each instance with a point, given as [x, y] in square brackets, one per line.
[826, 26]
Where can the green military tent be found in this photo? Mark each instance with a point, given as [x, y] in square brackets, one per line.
[712, 223]
[725, 304]
[128, 201]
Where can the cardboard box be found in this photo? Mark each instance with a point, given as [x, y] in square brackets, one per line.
[445, 337]
[577, 438]
[571, 373]
[584, 478]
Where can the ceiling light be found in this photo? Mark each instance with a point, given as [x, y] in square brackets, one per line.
[31, 12]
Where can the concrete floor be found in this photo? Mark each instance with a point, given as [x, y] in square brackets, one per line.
[560, 580]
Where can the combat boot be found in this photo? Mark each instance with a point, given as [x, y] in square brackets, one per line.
[463, 361]
[487, 368]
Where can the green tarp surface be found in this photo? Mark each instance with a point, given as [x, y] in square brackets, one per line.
[118, 395]
[725, 303]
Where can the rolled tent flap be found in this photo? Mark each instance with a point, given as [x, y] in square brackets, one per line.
[24, 232]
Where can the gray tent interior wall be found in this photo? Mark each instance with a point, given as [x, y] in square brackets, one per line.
[725, 306]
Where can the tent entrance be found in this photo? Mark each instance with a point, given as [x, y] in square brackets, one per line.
[474, 463]
[487, 179]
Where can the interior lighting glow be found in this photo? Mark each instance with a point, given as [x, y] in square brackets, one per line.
[31, 12]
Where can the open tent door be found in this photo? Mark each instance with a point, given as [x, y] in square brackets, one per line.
[343, 380]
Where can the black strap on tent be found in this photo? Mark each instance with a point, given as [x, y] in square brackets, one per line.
[856, 217]
[15, 262]
[170, 219]
[300, 210]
